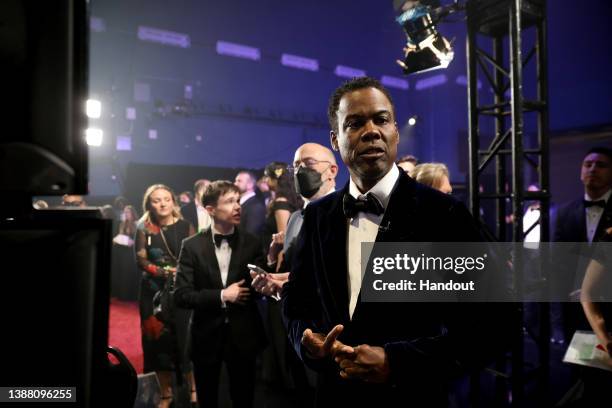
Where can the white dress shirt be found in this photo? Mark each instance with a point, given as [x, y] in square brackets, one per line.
[593, 214]
[224, 254]
[246, 196]
[364, 228]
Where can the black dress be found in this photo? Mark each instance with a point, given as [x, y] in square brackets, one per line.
[277, 357]
[270, 224]
[163, 343]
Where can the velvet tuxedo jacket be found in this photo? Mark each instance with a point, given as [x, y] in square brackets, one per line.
[199, 285]
[426, 343]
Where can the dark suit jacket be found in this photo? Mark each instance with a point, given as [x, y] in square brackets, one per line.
[253, 215]
[294, 225]
[570, 226]
[198, 287]
[425, 343]
[571, 222]
[190, 213]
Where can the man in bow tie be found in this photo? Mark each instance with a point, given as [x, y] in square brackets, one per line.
[213, 279]
[583, 220]
[388, 354]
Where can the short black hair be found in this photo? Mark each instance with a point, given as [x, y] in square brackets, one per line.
[352, 85]
[606, 151]
[215, 190]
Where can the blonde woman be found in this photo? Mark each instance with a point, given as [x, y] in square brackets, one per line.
[158, 241]
[434, 175]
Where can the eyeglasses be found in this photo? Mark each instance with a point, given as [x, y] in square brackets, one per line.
[308, 162]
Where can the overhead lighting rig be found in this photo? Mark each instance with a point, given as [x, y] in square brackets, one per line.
[426, 49]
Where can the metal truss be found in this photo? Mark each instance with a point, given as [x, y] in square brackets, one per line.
[493, 22]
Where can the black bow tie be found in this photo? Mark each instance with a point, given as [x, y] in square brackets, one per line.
[352, 206]
[229, 237]
[599, 203]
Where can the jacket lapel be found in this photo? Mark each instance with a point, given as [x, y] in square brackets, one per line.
[604, 222]
[233, 274]
[580, 223]
[399, 219]
[210, 258]
[334, 242]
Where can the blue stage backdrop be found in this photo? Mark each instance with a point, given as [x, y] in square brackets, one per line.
[242, 83]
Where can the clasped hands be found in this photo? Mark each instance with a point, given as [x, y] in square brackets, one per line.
[362, 362]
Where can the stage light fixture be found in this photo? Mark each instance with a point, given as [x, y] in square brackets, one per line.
[412, 120]
[94, 136]
[426, 49]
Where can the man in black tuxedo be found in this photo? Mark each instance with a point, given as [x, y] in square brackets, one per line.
[252, 207]
[213, 279]
[388, 354]
[584, 220]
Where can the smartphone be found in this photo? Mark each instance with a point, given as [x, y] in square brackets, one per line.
[262, 273]
[257, 269]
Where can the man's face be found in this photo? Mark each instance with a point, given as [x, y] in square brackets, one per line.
[243, 182]
[227, 210]
[184, 199]
[312, 158]
[367, 135]
[596, 172]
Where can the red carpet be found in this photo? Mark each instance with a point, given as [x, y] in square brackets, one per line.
[124, 331]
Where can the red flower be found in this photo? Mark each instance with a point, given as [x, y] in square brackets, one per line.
[152, 228]
[152, 327]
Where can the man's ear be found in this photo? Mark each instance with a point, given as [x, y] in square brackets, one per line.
[210, 209]
[333, 170]
[333, 139]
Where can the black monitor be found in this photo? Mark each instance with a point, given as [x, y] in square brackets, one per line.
[43, 71]
[55, 302]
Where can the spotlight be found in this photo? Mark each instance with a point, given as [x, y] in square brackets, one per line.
[426, 49]
[93, 136]
[413, 120]
[93, 108]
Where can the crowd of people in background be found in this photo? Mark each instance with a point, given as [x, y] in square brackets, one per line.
[228, 311]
